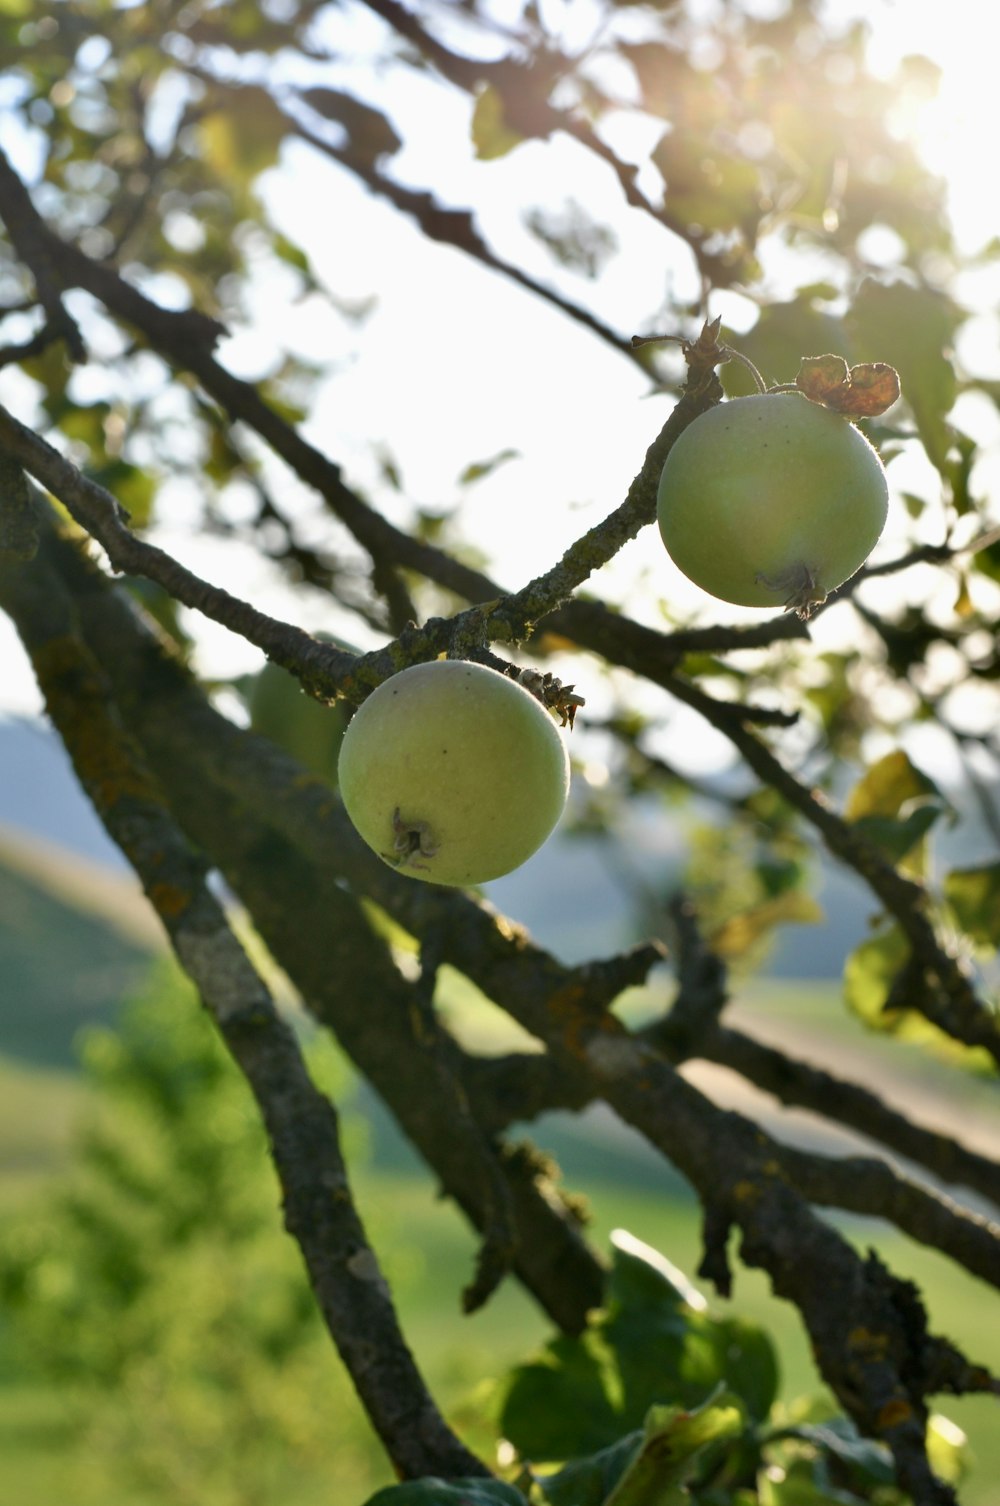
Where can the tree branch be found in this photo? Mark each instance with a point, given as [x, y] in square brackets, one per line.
[942, 990]
[302, 1125]
[233, 792]
[736, 1169]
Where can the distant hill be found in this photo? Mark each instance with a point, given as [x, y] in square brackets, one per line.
[573, 896]
[75, 938]
[40, 796]
[75, 931]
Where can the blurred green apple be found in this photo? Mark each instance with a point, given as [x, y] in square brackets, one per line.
[286, 714]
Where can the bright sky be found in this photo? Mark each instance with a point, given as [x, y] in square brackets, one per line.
[577, 413]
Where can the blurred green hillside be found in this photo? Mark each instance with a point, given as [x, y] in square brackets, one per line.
[75, 942]
[75, 939]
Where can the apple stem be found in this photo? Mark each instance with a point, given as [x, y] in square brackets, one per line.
[725, 353]
[746, 361]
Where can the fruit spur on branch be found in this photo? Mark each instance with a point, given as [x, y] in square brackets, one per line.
[777, 498]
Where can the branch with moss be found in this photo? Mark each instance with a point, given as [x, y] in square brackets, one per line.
[308, 818]
[939, 987]
[301, 1123]
[737, 1171]
[228, 788]
[937, 984]
[98, 513]
[735, 1168]
[863, 1184]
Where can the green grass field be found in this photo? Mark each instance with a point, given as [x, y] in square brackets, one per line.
[428, 1254]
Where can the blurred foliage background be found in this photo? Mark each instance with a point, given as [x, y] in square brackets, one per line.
[428, 234]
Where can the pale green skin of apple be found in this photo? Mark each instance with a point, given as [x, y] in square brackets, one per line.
[470, 760]
[763, 496]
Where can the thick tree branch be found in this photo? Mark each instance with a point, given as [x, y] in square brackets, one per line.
[736, 1169]
[800, 1084]
[321, 934]
[302, 1125]
[862, 1184]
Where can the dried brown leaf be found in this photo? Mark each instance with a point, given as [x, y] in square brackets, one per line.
[862, 391]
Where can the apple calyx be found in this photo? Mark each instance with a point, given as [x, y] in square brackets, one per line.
[798, 588]
[412, 840]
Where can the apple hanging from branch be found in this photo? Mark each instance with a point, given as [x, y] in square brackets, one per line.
[777, 499]
[453, 773]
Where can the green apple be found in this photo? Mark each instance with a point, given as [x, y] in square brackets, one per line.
[453, 773]
[771, 500]
[283, 712]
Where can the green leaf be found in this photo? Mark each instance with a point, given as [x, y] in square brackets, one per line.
[581, 1394]
[887, 786]
[566, 1401]
[669, 1348]
[662, 1343]
[649, 1467]
[947, 1448]
[642, 1277]
[796, 1484]
[655, 1344]
[293, 256]
[492, 137]
[779, 874]
[283, 712]
[750, 1364]
[477, 469]
[435, 1492]
[974, 896]
[132, 488]
[869, 974]
[737, 935]
[706, 185]
[588, 1482]
[867, 1463]
[895, 805]
[673, 1440]
[241, 132]
[783, 334]
[85, 422]
[898, 838]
